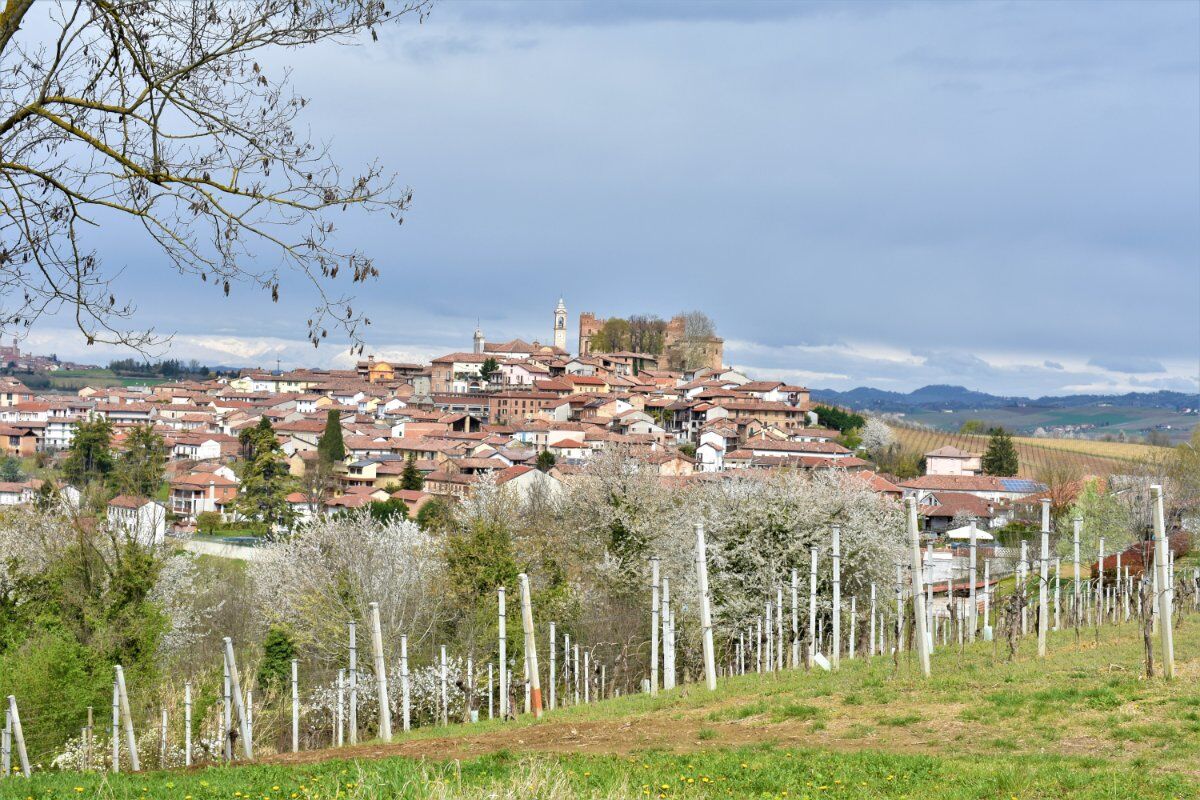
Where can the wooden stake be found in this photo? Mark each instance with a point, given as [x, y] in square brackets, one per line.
[18, 735]
[1165, 589]
[530, 646]
[353, 682]
[296, 706]
[654, 612]
[910, 507]
[235, 688]
[406, 688]
[381, 686]
[130, 740]
[503, 659]
[710, 665]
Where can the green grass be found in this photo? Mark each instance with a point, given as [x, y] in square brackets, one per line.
[766, 771]
[981, 728]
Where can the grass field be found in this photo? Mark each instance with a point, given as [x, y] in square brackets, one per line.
[1080, 724]
[1087, 456]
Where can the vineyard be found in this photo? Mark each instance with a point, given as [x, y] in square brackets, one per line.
[1037, 455]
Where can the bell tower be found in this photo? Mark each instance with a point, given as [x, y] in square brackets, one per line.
[560, 325]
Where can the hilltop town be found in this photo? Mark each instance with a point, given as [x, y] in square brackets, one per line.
[522, 413]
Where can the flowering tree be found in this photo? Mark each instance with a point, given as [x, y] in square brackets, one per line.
[876, 436]
[327, 573]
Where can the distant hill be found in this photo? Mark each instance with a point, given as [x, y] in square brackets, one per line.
[942, 397]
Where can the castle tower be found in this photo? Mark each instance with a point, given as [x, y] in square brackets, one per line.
[560, 325]
[479, 343]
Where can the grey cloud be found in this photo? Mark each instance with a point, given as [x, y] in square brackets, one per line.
[1052, 365]
[1129, 364]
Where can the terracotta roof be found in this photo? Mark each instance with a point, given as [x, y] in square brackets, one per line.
[129, 501]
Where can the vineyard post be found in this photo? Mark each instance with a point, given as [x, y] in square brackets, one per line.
[491, 690]
[812, 604]
[162, 739]
[130, 739]
[503, 657]
[1043, 580]
[535, 686]
[250, 716]
[18, 736]
[899, 607]
[567, 671]
[758, 645]
[553, 674]
[575, 672]
[587, 677]
[910, 507]
[1023, 580]
[226, 712]
[339, 731]
[1120, 589]
[835, 647]
[295, 706]
[1076, 525]
[1057, 594]
[654, 611]
[1100, 585]
[972, 607]
[235, 688]
[187, 723]
[768, 628]
[443, 678]
[116, 728]
[406, 697]
[381, 687]
[706, 631]
[871, 648]
[795, 619]
[1165, 589]
[668, 645]
[779, 627]
[353, 682]
[853, 622]
[6, 746]
[88, 739]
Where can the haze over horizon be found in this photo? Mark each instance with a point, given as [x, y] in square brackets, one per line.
[1003, 197]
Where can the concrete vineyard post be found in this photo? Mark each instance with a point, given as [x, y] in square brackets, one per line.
[235, 690]
[899, 607]
[116, 728]
[491, 714]
[381, 686]
[535, 681]
[871, 646]
[835, 647]
[406, 688]
[972, 576]
[339, 730]
[795, 618]
[6, 745]
[575, 672]
[130, 739]
[767, 632]
[162, 738]
[710, 666]
[18, 736]
[910, 508]
[668, 652]
[444, 689]
[1165, 589]
[250, 716]
[553, 677]
[503, 658]
[226, 712]
[779, 628]
[587, 677]
[853, 623]
[812, 604]
[353, 682]
[1100, 584]
[295, 706]
[1076, 525]
[654, 612]
[187, 723]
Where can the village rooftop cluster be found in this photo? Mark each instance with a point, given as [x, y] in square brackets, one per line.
[522, 413]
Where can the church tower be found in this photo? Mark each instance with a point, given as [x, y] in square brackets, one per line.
[479, 343]
[560, 325]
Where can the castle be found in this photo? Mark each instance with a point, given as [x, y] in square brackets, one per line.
[711, 350]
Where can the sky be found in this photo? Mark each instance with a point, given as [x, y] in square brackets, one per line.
[1000, 195]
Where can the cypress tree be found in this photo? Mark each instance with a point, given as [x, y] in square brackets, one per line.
[1001, 456]
[330, 447]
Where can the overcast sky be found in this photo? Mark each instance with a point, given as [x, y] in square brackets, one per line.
[1005, 196]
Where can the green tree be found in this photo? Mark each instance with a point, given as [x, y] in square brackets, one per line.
[839, 418]
[10, 470]
[331, 447]
[546, 460]
[276, 666]
[489, 368]
[387, 510]
[612, 336]
[141, 467]
[208, 521]
[411, 478]
[972, 426]
[265, 479]
[1001, 456]
[90, 456]
[436, 516]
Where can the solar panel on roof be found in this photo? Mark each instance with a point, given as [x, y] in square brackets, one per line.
[1020, 485]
